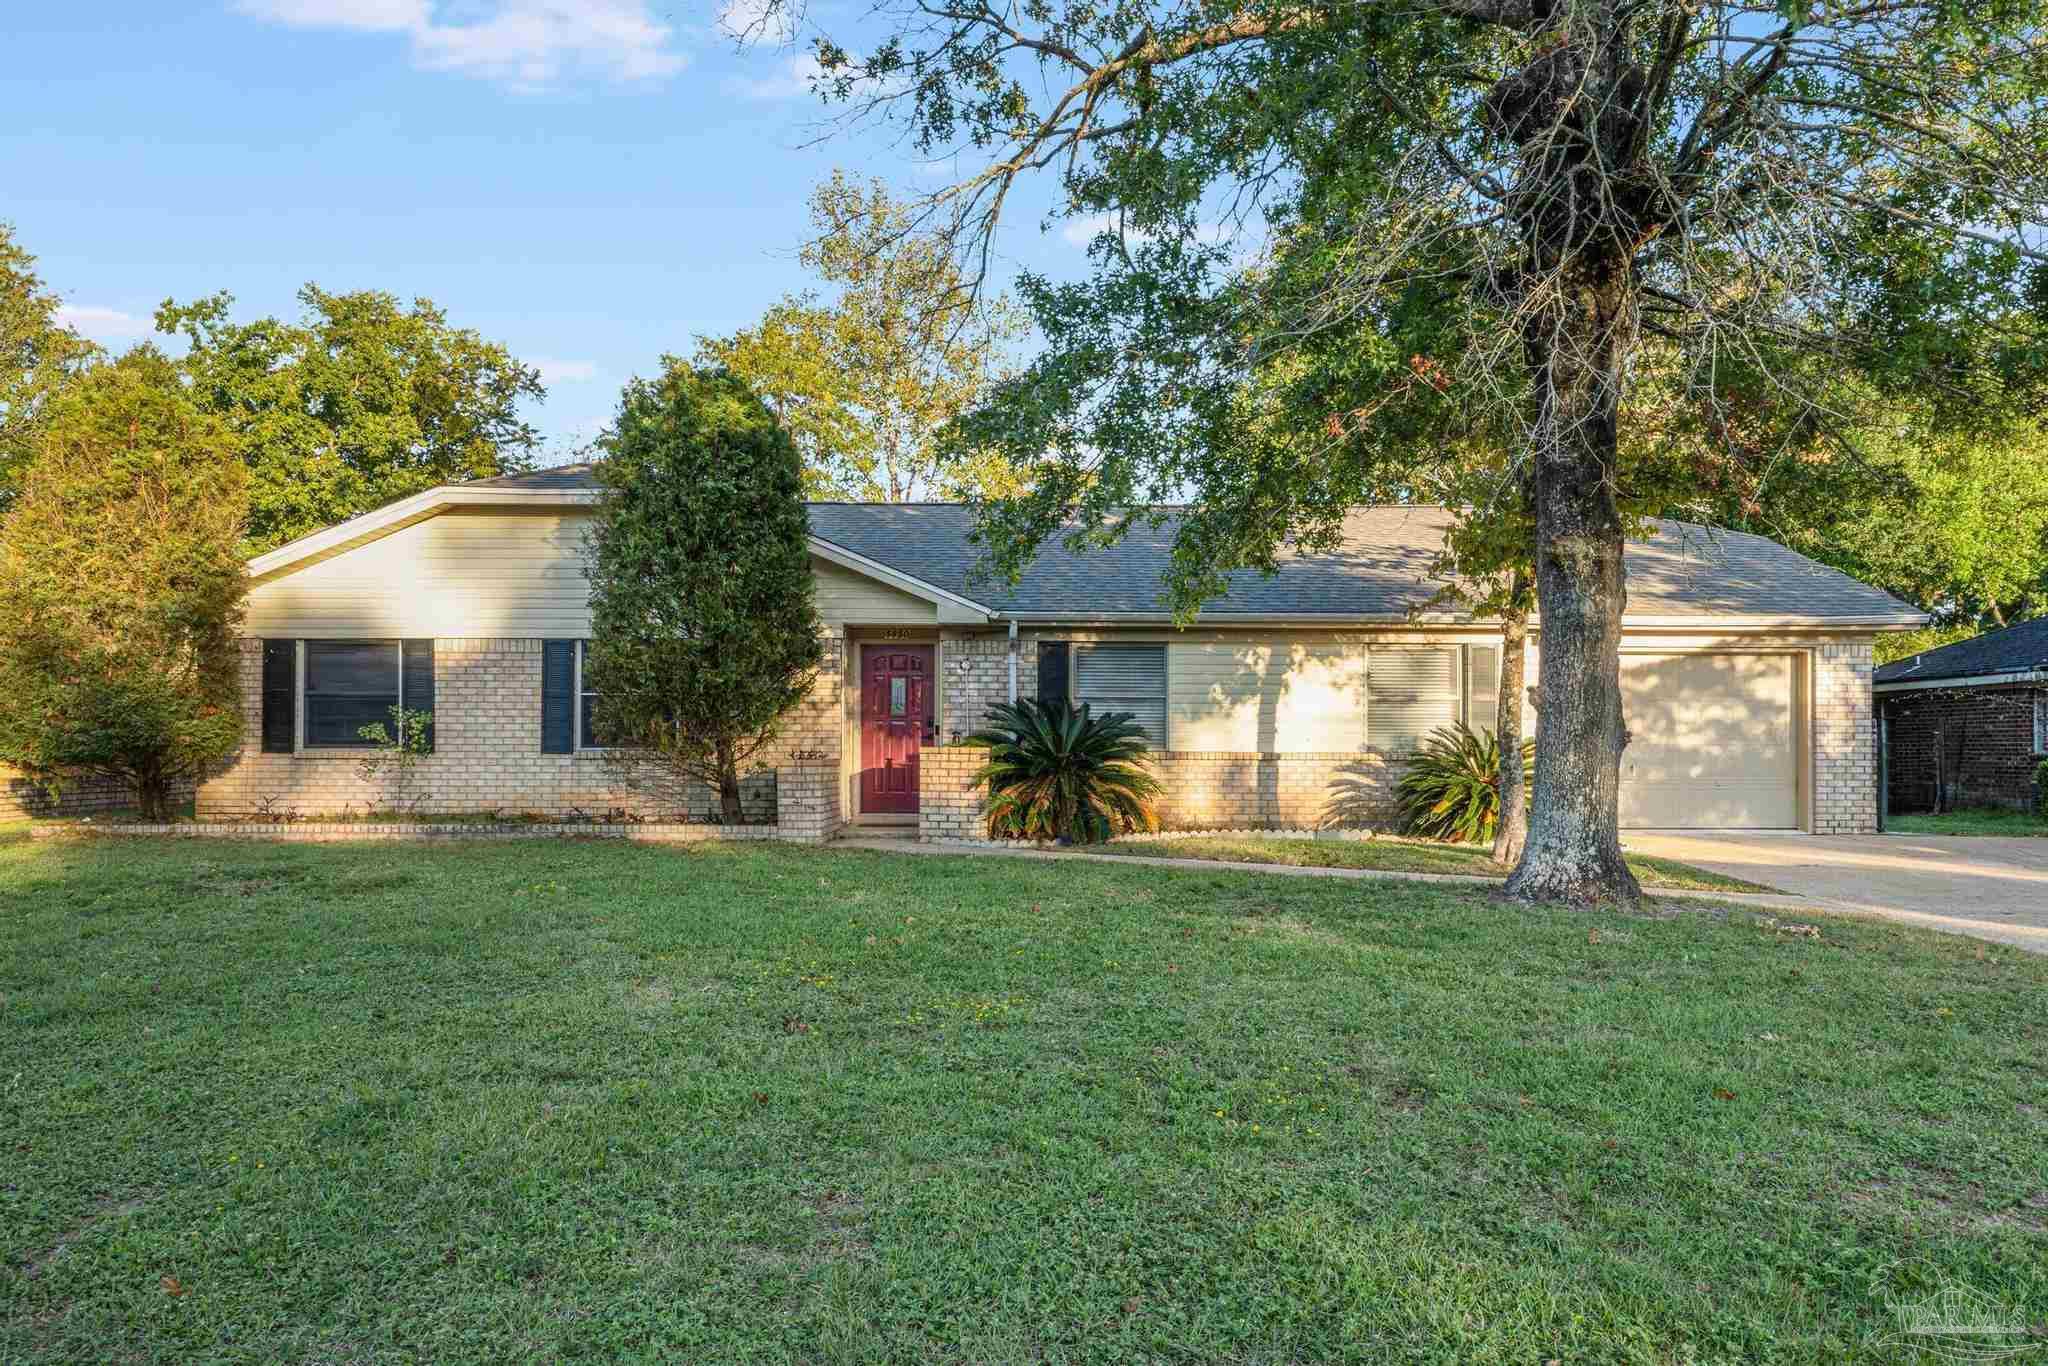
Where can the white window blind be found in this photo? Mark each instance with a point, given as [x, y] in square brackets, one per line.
[1409, 693]
[1482, 687]
[1128, 678]
[2041, 724]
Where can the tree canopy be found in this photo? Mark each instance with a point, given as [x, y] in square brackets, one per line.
[37, 355]
[121, 581]
[362, 402]
[866, 383]
[704, 631]
[1513, 207]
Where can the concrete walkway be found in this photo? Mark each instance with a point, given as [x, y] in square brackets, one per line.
[1991, 887]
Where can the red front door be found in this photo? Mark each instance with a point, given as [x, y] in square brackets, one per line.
[896, 718]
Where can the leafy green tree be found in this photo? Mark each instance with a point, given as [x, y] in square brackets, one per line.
[1549, 188]
[866, 383]
[361, 403]
[121, 581]
[704, 632]
[37, 356]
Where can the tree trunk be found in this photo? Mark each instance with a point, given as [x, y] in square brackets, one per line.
[1576, 345]
[153, 797]
[728, 786]
[1513, 830]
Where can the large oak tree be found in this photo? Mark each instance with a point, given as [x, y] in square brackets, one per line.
[361, 402]
[1779, 191]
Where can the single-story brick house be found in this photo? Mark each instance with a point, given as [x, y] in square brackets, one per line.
[1290, 701]
[1968, 723]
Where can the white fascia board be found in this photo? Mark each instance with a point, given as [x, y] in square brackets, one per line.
[1964, 681]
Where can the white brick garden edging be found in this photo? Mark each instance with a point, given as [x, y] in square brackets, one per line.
[316, 832]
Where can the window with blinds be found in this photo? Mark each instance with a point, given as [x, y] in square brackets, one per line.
[1409, 693]
[350, 684]
[1128, 678]
[1482, 687]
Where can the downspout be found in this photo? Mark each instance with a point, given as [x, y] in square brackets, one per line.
[1013, 659]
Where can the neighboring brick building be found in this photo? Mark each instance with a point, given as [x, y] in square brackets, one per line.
[1968, 723]
[1292, 700]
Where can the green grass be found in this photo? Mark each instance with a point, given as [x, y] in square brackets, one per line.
[550, 1100]
[1981, 820]
[1401, 856]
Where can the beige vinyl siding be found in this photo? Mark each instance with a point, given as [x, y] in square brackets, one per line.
[462, 574]
[844, 596]
[1281, 696]
[491, 573]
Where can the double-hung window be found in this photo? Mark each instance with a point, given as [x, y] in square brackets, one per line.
[351, 684]
[1128, 678]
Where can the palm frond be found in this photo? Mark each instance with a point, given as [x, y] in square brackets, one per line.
[1451, 790]
[1060, 772]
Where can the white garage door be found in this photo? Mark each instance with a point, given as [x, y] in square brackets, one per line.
[1711, 742]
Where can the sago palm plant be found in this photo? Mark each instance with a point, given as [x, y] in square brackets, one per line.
[1451, 790]
[1060, 772]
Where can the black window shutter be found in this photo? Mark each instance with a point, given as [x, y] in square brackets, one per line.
[558, 697]
[1052, 671]
[418, 682]
[280, 690]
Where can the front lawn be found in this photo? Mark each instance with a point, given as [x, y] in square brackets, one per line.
[1400, 856]
[484, 1102]
[1978, 820]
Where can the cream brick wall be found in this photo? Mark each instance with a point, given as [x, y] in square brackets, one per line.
[974, 672]
[1844, 741]
[949, 800]
[487, 753]
[1236, 791]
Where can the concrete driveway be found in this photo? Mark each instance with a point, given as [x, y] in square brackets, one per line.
[1989, 887]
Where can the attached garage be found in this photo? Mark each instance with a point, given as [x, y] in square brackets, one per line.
[1713, 741]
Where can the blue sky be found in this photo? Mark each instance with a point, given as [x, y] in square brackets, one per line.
[591, 182]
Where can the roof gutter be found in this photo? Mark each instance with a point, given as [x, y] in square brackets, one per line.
[1963, 681]
[1698, 623]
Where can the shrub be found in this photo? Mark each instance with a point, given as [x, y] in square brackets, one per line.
[1451, 791]
[396, 760]
[1060, 772]
[2041, 789]
[121, 582]
[704, 630]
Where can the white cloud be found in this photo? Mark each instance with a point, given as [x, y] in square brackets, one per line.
[369, 16]
[758, 21]
[527, 44]
[103, 324]
[792, 82]
[565, 371]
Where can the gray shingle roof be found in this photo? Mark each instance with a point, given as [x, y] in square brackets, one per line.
[2015, 649]
[1380, 571]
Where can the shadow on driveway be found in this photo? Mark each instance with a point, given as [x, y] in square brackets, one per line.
[1990, 887]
